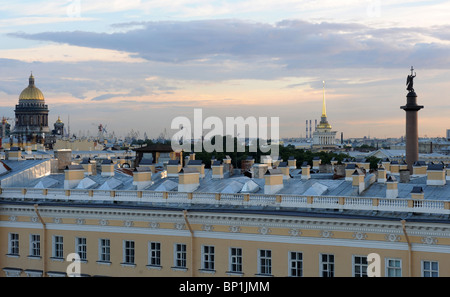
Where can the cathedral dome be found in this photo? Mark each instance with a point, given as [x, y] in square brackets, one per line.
[31, 92]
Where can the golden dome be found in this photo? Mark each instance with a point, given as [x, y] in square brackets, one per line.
[31, 92]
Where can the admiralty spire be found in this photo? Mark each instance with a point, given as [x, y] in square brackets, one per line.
[323, 137]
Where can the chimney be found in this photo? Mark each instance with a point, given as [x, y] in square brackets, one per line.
[276, 163]
[358, 180]
[188, 180]
[417, 193]
[259, 170]
[142, 177]
[107, 168]
[306, 171]
[217, 169]
[391, 187]
[404, 176]
[227, 166]
[285, 170]
[266, 160]
[387, 165]
[292, 162]
[395, 167]
[273, 181]
[447, 172]
[73, 174]
[14, 154]
[316, 162]
[436, 175]
[362, 163]
[89, 168]
[197, 164]
[419, 169]
[349, 169]
[333, 162]
[64, 157]
[173, 167]
[381, 175]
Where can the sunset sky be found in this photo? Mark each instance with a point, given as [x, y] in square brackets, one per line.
[136, 65]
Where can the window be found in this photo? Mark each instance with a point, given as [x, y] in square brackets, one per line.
[295, 264]
[208, 257]
[180, 255]
[236, 260]
[430, 269]
[393, 268]
[13, 244]
[104, 251]
[81, 248]
[58, 251]
[326, 265]
[265, 262]
[35, 245]
[128, 252]
[360, 266]
[154, 253]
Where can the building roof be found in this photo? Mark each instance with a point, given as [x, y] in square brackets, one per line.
[31, 92]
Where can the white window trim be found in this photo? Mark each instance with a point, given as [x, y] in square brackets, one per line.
[54, 257]
[133, 264]
[31, 255]
[10, 244]
[290, 262]
[77, 248]
[175, 256]
[422, 270]
[208, 270]
[321, 264]
[353, 263]
[259, 263]
[149, 253]
[386, 261]
[230, 264]
[100, 252]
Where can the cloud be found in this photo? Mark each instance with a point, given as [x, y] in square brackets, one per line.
[293, 44]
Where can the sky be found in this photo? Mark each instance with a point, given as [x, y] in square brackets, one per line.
[136, 65]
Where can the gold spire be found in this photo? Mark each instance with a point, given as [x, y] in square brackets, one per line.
[323, 119]
[324, 108]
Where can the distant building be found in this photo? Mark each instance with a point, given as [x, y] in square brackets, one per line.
[323, 137]
[31, 123]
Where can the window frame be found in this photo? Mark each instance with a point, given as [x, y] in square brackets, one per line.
[179, 256]
[129, 252]
[57, 247]
[361, 265]
[13, 244]
[154, 253]
[81, 248]
[104, 250]
[431, 271]
[35, 246]
[388, 267]
[235, 260]
[330, 265]
[296, 261]
[264, 262]
[208, 258]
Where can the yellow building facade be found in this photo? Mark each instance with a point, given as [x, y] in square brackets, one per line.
[151, 241]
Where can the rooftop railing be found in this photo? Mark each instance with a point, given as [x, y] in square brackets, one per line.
[283, 201]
